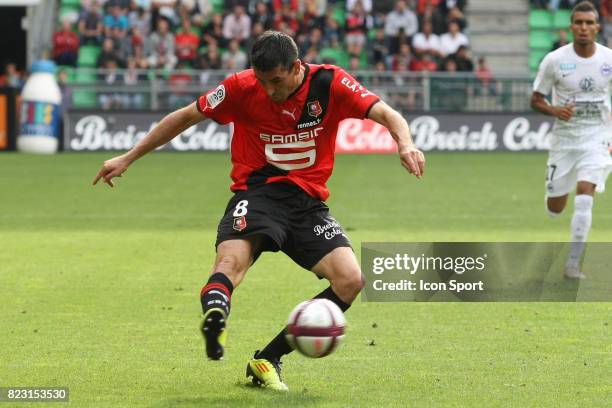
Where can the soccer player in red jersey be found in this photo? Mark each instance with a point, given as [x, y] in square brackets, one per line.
[285, 114]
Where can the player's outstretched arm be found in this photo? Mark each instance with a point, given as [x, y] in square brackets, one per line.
[411, 157]
[168, 128]
[540, 104]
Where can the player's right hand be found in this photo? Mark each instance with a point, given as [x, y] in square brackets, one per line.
[114, 167]
[564, 113]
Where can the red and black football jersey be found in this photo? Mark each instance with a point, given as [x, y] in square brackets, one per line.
[292, 142]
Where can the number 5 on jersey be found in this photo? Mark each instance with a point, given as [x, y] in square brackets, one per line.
[240, 211]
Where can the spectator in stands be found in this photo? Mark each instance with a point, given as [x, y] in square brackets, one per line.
[426, 42]
[196, 10]
[331, 29]
[122, 45]
[382, 78]
[402, 57]
[449, 93]
[286, 21]
[124, 5]
[463, 60]
[561, 41]
[423, 62]
[354, 67]
[138, 47]
[159, 47]
[237, 25]
[131, 78]
[451, 41]
[454, 14]
[65, 45]
[313, 41]
[179, 88]
[365, 4]
[357, 25]
[111, 76]
[140, 19]
[313, 13]
[435, 17]
[213, 31]
[187, 44]
[211, 58]
[278, 5]
[401, 19]
[115, 19]
[258, 29]
[312, 56]
[108, 53]
[404, 95]
[234, 59]
[65, 89]
[485, 76]
[263, 15]
[554, 5]
[165, 9]
[606, 21]
[379, 48]
[11, 77]
[143, 4]
[421, 5]
[446, 5]
[90, 25]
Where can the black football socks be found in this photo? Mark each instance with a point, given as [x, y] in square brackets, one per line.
[217, 293]
[278, 347]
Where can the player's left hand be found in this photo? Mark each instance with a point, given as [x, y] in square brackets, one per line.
[413, 160]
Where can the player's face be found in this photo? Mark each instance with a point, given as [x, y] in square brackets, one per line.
[585, 27]
[279, 83]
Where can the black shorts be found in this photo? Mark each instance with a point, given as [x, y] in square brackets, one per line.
[289, 220]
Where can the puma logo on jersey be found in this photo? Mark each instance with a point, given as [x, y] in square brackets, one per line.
[286, 112]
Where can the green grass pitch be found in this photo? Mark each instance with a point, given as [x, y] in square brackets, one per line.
[100, 287]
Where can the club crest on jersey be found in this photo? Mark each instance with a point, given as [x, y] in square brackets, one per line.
[314, 109]
[240, 223]
[605, 70]
[215, 97]
[587, 84]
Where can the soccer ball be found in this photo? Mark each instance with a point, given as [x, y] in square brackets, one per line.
[315, 327]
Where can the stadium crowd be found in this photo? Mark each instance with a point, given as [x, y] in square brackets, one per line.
[399, 35]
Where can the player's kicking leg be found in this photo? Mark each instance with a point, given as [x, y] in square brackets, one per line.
[233, 259]
[580, 227]
[344, 274]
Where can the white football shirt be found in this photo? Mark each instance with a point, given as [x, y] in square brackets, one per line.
[585, 83]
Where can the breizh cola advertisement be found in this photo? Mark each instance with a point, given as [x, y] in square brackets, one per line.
[100, 131]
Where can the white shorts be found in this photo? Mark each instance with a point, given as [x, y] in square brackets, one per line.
[565, 168]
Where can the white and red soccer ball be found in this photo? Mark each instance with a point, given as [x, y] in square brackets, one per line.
[315, 327]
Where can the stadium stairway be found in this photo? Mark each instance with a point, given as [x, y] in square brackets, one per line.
[498, 30]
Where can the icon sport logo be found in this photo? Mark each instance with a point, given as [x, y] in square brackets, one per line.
[314, 109]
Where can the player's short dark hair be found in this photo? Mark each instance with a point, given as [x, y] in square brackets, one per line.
[272, 49]
[584, 7]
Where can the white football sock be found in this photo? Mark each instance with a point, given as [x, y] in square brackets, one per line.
[581, 224]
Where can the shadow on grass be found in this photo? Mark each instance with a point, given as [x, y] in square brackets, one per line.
[245, 395]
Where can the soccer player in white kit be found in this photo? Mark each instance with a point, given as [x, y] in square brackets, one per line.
[579, 75]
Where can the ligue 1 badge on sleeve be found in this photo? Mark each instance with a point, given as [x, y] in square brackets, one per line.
[314, 109]
[240, 223]
[215, 97]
